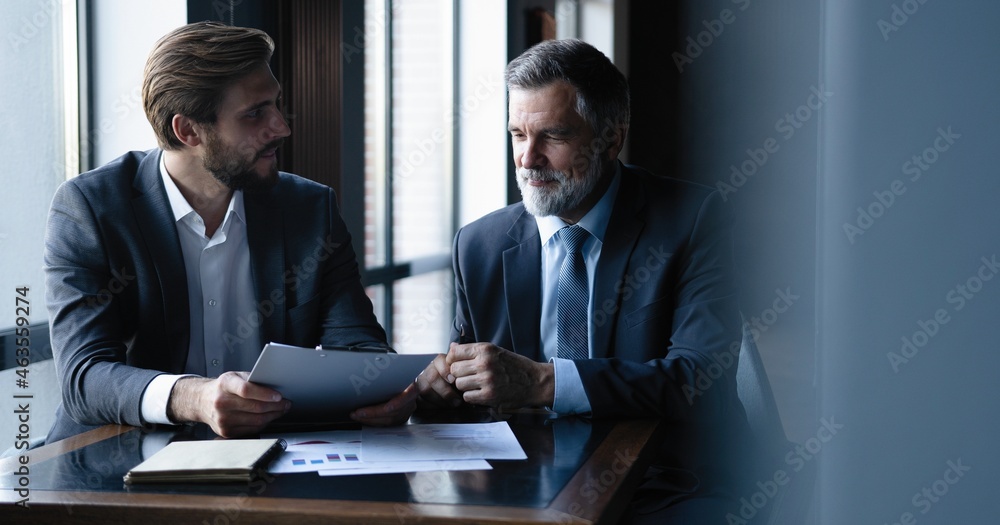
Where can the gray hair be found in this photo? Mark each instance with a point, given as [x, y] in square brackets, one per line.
[602, 96]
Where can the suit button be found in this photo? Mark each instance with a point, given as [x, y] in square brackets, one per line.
[215, 362]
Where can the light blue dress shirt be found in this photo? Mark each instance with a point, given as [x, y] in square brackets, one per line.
[570, 397]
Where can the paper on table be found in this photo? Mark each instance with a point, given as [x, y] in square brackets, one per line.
[344, 457]
[311, 458]
[312, 451]
[440, 442]
[395, 467]
[327, 437]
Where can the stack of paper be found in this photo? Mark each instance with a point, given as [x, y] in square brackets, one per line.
[409, 448]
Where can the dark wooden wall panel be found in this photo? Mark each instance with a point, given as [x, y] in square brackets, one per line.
[310, 72]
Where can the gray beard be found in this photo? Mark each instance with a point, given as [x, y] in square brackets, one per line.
[543, 202]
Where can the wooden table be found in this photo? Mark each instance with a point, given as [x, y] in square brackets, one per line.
[577, 471]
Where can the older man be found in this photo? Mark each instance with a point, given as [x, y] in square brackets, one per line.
[607, 292]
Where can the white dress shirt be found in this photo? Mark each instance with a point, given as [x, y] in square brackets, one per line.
[570, 397]
[225, 323]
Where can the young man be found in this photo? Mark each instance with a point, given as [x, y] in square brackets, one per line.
[606, 292]
[167, 270]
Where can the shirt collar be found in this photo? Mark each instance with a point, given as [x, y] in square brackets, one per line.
[180, 206]
[595, 221]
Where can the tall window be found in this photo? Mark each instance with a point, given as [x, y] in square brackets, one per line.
[409, 169]
[39, 133]
[39, 138]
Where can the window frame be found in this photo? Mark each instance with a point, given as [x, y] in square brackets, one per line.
[353, 182]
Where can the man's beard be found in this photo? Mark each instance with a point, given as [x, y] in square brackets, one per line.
[230, 167]
[565, 196]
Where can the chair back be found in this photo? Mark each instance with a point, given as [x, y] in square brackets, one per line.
[754, 391]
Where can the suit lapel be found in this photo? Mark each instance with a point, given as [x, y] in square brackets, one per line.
[619, 242]
[522, 277]
[267, 256]
[159, 232]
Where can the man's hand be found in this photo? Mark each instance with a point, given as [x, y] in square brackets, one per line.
[393, 412]
[490, 375]
[436, 386]
[229, 404]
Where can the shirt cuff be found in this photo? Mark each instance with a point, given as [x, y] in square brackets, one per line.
[156, 397]
[570, 397]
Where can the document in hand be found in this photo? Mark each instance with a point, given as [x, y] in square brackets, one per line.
[219, 461]
[326, 385]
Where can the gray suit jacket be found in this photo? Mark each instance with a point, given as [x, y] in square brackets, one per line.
[117, 292]
[665, 310]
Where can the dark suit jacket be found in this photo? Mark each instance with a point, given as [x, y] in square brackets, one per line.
[117, 292]
[665, 309]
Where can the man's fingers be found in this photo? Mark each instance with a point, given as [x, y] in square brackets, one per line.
[232, 423]
[457, 352]
[393, 412]
[443, 369]
[232, 403]
[468, 383]
[434, 389]
[477, 397]
[236, 383]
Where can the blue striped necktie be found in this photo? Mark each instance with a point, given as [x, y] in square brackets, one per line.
[572, 296]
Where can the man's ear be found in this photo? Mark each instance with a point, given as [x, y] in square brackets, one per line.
[615, 137]
[186, 130]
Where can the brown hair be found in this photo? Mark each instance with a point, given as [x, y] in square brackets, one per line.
[190, 68]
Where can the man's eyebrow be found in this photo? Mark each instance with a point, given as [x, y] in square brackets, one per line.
[258, 105]
[263, 103]
[554, 131]
[560, 131]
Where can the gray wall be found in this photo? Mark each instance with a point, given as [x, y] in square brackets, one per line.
[748, 102]
[925, 77]
[908, 424]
